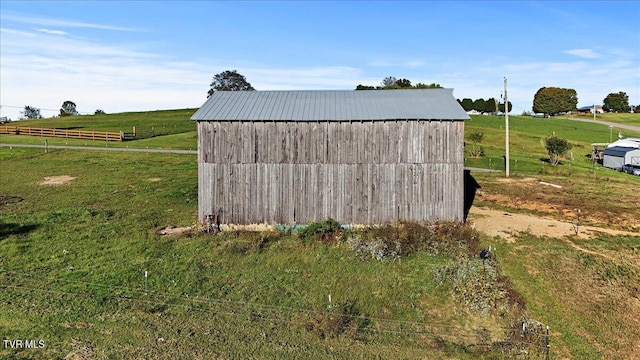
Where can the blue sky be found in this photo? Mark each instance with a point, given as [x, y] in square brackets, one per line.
[147, 55]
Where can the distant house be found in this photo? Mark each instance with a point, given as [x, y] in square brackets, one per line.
[589, 109]
[616, 156]
[360, 157]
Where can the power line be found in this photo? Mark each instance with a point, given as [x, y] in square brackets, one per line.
[283, 315]
[220, 301]
[41, 109]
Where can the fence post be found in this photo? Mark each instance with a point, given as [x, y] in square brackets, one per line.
[547, 340]
[134, 132]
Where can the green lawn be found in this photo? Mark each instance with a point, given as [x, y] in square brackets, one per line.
[73, 259]
[527, 152]
[164, 122]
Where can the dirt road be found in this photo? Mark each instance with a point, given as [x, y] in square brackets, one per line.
[607, 123]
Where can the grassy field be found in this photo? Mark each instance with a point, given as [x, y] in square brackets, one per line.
[164, 122]
[527, 134]
[73, 259]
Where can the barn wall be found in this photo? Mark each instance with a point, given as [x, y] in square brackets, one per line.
[364, 172]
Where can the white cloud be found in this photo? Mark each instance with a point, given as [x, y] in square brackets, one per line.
[46, 21]
[52, 32]
[43, 70]
[583, 53]
[386, 62]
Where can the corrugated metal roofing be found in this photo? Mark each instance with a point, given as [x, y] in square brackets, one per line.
[331, 105]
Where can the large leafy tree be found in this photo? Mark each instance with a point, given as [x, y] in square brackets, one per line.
[388, 81]
[31, 112]
[616, 102]
[554, 100]
[229, 80]
[404, 83]
[68, 108]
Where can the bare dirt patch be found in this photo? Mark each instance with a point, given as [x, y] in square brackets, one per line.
[509, 225]
[57, 180]
[175, 231]
[154, 179]
[597, 203]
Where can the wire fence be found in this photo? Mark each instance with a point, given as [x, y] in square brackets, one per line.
[530, 339]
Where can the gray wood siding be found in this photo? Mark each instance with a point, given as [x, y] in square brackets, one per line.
[354, 172]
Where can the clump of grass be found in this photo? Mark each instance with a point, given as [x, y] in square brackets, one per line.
[244, 242]
[478, 286]
[336, 321]
[392, 241]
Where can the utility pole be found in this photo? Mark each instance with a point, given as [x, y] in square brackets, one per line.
[506, 126]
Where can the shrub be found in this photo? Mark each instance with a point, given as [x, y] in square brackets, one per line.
[479, 286]
[326, 231]
[392, 241]
[475, 137]
[376, 248]
[556, 147]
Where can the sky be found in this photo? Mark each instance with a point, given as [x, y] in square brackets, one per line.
[121, 56]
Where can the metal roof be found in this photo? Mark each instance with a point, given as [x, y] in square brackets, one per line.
[331, 105]
[618, 151]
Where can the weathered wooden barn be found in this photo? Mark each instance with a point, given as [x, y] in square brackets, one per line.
[360, 157]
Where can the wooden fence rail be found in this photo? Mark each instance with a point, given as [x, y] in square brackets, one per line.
[71, 134]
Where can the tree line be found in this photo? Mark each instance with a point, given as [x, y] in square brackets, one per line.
[490, 106]
[68, 108]
[547, 100]
[555, 100]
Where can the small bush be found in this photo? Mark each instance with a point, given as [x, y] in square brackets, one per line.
[376, 248]
[326, 231]
[479, 287]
